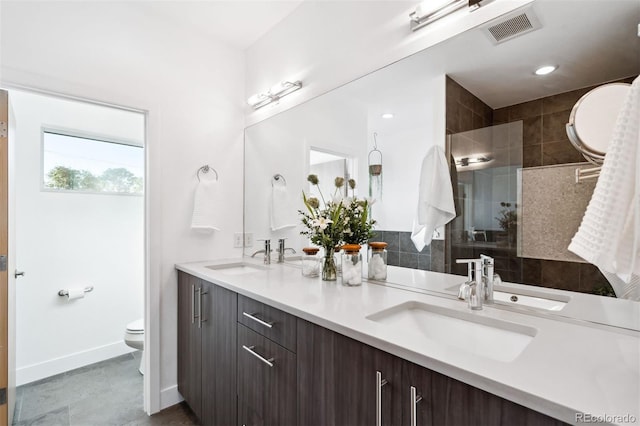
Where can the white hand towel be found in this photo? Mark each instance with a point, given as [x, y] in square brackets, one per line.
[205, 211]
[282, 209]
[609, 235]
[435, 198]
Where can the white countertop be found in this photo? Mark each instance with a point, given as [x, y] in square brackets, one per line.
[569, 367]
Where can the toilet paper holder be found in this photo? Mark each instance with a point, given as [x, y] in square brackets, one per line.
[66, 292]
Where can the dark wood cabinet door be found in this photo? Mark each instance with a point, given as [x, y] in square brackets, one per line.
[449, 402]
[338, 382]
[219, 310]
[266, 393]
[189, 342]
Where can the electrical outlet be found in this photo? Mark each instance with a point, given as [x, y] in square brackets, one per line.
[237, 240]
[248, 239]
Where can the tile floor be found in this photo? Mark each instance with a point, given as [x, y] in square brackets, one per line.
[105, 393]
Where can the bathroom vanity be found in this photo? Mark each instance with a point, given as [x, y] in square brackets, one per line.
[264, 345]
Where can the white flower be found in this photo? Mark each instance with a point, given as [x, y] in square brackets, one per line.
[321, 223]
[348, 231]
[370, 201]
[360, 209]
[337, 198]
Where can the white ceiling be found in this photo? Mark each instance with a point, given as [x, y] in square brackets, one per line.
[239, 23]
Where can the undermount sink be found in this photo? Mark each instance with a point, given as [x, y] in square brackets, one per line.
[238, 268]
[528, 298]
[485, 336]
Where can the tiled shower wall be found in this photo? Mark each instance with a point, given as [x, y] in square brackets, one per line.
[402, 252]
[544, 143]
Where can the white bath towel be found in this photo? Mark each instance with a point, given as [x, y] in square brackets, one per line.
[609, 235]
[283, 211]
[435, 198]
[206, 206]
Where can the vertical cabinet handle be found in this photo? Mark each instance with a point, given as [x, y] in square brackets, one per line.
[380, 382]
[201, 317]
[193, 308]
[199, 299]
[415, 398]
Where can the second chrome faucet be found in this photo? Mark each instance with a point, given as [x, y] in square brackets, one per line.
[478, 288]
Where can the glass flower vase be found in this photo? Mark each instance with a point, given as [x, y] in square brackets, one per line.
[329, 270]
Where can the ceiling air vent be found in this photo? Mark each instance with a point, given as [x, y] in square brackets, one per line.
[512, 27]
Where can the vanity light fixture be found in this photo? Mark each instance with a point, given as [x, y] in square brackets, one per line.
[466, 161]
[274, 93]
[547, 69]
[431, 10]
[387, 115]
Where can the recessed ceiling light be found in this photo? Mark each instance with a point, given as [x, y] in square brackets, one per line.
[547, 69]
[387, 115]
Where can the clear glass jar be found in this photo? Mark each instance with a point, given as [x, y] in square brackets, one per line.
[351, 265]
[310, 262]
[377, 262]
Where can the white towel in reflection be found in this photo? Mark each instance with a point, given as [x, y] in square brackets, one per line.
[435, 198]
[283, 212]
[206, 206]
[609, 235]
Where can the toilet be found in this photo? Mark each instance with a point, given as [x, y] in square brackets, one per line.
[134, 337]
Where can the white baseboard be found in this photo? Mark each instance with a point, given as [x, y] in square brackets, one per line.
[170, 396]
[33, 372]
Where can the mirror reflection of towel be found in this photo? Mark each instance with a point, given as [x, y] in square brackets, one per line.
[205, 214]
[283, 212]
[435, 198]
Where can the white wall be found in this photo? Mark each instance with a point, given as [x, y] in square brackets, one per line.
[193, 91]
[67, 239]
[328, 43]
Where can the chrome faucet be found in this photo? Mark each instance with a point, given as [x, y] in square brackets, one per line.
[488, 276]
[282, 249]
[266, 251]
[480, 280]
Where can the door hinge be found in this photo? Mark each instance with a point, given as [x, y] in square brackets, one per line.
[3, 263]
[3, 129]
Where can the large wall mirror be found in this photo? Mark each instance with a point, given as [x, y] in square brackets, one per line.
[503, 128]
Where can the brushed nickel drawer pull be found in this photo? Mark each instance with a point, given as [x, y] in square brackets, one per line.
[415, 398]
[258, 320]
[250, 349]
[380, 382]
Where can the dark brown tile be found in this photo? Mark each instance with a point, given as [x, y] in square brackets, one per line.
[501, 115]
[563, 101]
[453, 116]
[477, 121]
[526, 109]
[532, 131]
[561, 275]
[532, 156]
[488, 117]
[479, 107]
[531, 271]
[591, 279]
[554, 126]
[560, 153]
[466, 98]
[465, 118]
[452, 90]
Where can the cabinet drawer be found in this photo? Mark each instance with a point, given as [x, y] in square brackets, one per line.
[270, 322]
[266, 381]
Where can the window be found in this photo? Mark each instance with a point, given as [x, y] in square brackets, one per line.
[88, 164]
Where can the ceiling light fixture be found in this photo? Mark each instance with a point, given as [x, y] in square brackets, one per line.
[467, 161]
[432, 10]
[387, 115]
[547, 69]
[274, 94]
